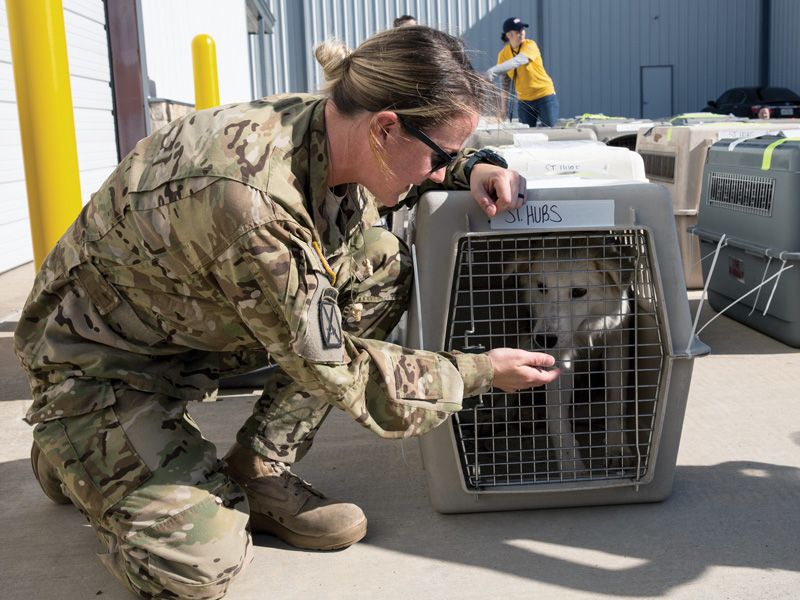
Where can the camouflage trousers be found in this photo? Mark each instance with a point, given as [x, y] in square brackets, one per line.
[171, 523]
[374, 283]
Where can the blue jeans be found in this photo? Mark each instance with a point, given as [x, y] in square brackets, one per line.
[543, 111]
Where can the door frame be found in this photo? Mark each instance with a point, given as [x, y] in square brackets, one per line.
[671, 87]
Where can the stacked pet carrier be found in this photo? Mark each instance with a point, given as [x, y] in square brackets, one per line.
[580, 156]
[751, 195]
[613, 131]
[522, 137]
[591, 275]
[703, 117]
[674, 156]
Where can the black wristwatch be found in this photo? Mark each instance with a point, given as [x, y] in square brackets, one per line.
[484, 156]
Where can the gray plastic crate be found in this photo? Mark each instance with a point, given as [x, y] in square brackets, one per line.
[607, 431]
[696, 118]
[751, 194]
[505, 137]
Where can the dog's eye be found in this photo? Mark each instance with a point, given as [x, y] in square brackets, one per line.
[578, 292]
[542, 288]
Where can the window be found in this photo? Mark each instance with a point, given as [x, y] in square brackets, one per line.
[777, 94]
[738, 97]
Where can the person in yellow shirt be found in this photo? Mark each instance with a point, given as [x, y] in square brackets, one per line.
[521, 60]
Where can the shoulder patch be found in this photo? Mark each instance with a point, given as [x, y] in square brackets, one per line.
[322, 340]
[330, 319]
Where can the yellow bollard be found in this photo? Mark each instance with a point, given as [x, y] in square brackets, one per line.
[204, 63]
[44, 103]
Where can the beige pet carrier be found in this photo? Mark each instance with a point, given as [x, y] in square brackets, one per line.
[592, 275]
[675, 156]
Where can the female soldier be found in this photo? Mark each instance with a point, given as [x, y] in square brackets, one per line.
[231, 234]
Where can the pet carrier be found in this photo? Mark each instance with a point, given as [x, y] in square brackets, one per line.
[592, 275]
[703, 117]
[508, 137]
[579, 156]
[750, 195]
[622, 135]
[580, 120]
[675, 157]
[613, 131]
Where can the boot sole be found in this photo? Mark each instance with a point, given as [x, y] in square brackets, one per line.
[56, 497]
[260, 523]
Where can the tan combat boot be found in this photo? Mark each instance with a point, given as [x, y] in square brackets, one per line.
[47, 477]
[283, 505]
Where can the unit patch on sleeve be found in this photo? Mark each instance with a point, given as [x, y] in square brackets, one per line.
[330, 319]
[322, 339]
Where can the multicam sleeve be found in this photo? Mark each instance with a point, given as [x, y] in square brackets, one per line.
[476, 370]
[281, 291]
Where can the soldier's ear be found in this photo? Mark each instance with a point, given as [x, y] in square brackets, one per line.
[385, 123]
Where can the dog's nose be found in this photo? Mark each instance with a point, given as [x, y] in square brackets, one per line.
[546, 340]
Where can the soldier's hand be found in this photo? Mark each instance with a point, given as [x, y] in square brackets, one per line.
[516, 370]
[496, 189]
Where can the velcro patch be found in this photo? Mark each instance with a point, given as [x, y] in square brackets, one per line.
[330, 323]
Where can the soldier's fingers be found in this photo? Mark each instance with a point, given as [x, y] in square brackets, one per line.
[486, 203]
[502, 191]
[538, 377]
[522, 191]
[539, 359]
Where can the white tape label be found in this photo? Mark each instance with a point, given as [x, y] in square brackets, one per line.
[633, 126]
[745, 133]
[557, 214]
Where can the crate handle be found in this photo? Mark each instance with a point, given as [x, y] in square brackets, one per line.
[694, 332]
[742, 297]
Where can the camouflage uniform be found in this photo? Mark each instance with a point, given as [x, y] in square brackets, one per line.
[215, 244]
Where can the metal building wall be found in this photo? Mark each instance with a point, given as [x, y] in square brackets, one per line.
[299, 26]
[95, 129]
[594, 50]
[784, 49]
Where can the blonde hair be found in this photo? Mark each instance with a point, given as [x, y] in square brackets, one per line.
[420, 73]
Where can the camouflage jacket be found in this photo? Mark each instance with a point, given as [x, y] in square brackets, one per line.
[197, 258]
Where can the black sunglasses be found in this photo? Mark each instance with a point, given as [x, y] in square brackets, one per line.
[443, 159]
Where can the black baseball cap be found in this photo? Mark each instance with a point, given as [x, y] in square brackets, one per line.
[512, 24]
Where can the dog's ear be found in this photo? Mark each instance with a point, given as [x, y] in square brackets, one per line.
[518, 265]
[618, 268]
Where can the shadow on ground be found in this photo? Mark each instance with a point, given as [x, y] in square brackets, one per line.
[738, 514]
[728, 336]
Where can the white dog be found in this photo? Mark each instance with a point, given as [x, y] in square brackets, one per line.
[579, 289]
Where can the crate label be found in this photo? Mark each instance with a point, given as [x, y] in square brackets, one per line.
[736, 269]
[558, 168]
[633, 126]
[743, 134]
[557, 214]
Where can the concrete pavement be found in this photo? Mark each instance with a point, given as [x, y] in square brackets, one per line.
[731, 528]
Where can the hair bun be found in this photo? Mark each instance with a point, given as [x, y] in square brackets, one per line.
[332, 56]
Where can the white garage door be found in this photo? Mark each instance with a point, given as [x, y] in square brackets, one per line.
[87, 50]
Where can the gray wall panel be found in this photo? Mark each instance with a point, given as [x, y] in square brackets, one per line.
[593, 49]
[784, 50]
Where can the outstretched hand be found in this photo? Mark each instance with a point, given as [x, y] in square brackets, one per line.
[496, 189]
[516, 370]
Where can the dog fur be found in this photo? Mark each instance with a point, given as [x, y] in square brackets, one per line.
[578, 290]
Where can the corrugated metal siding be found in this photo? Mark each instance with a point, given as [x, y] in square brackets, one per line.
[299, 26]
[87, 50]
[784, 51]
[594, 50]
